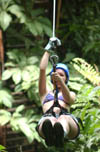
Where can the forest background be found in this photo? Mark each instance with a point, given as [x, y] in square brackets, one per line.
[27, 27]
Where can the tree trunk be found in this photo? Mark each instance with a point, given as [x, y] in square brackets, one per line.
[1, 54]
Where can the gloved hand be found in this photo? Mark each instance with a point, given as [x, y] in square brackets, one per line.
[52, 44]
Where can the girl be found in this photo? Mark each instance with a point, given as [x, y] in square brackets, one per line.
[56, 123]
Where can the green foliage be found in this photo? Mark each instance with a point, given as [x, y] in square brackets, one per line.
[76, 79]
[23, 70]
[39, 26]
[7, 7]
[6, 98]
[79, 28]
[2, 149]
[19, 67]
[22, 121]
[5, 18]
[25, 122]
[34, 22]
[87, 70]
[5, 117]
[86, 107]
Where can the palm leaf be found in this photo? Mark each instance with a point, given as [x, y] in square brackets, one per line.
[87, 70]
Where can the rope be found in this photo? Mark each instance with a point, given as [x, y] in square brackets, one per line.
[54, 16]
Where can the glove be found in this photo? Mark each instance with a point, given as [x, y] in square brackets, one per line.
[52, 44]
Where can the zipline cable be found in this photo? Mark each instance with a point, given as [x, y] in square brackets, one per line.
[53, 41]
[54, 17]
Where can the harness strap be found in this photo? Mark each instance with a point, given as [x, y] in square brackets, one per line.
[80, 121]
[63, 110]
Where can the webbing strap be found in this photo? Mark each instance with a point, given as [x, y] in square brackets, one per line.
[50, 111]
[53, 60]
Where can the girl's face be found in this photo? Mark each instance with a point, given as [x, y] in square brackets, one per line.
[62, 74]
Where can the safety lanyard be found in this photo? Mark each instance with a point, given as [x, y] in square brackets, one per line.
[55, 87]
[54, 59]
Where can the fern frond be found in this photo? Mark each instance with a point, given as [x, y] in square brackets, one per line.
[87, 70]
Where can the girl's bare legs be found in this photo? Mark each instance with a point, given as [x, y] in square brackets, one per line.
[69, 126]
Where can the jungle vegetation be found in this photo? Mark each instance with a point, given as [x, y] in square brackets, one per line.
[26, 30]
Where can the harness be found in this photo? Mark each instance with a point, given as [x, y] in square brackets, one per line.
[50, 111]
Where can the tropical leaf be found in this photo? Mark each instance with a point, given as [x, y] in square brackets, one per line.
[18, 12]
[32, 60]
[37, 12]
[20, 108]
[7, 74]
[24, 127]
[24, 121]
[5, 20]
[30, 25]
[5, 3]
[10, 64]
[6, 98]
[38, 27]
[2, 149]
[87, 70]
[95, 92]
[26, 75]
[17, 76]
[5, 117]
